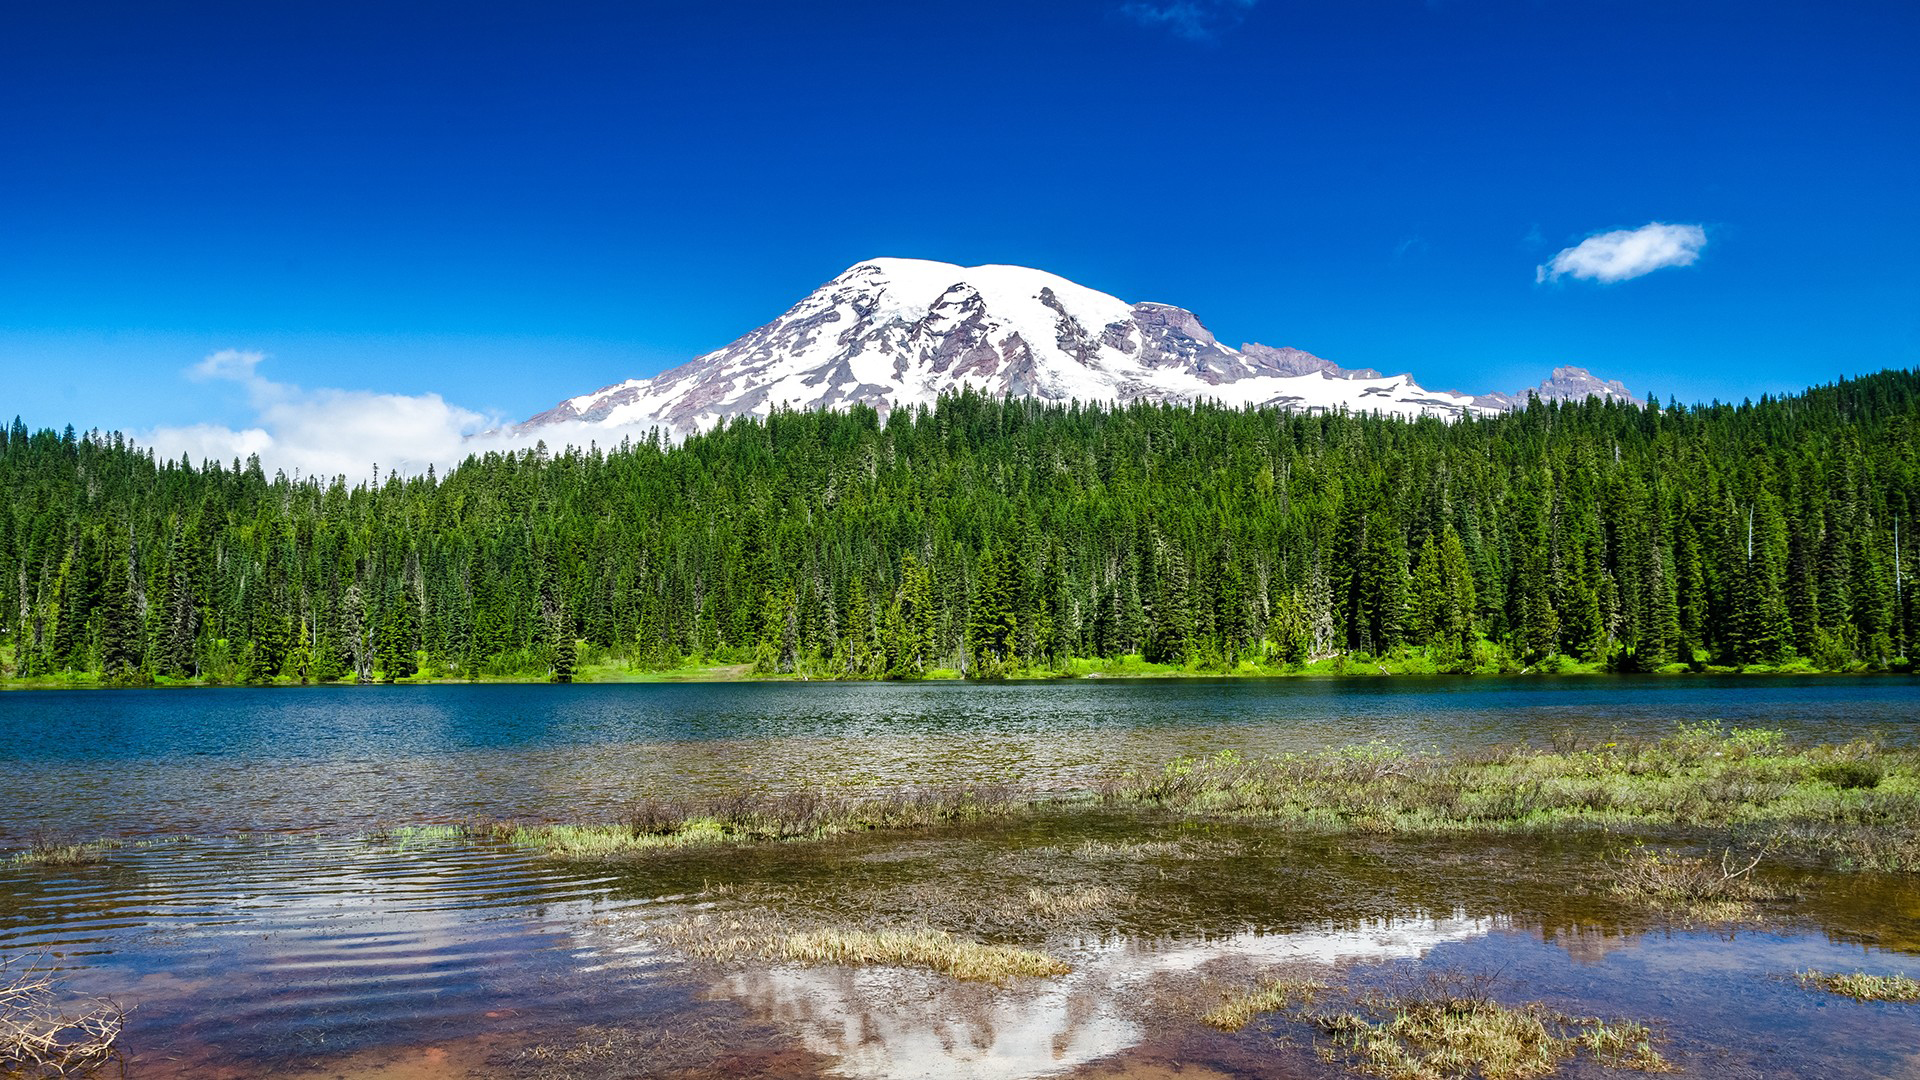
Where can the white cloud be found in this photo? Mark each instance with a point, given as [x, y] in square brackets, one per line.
[1195, 20]
[332, 432]
[1626, 253]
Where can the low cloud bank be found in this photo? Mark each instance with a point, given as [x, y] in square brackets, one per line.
[332, 432]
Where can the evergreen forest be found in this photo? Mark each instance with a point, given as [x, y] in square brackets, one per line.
[988, 538]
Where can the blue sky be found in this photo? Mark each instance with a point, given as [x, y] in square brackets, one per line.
[509, 204]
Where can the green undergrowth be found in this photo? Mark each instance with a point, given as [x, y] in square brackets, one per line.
[1854, 805]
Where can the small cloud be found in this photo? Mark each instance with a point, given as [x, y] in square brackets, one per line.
[1194, 20]
[231, 364]
[333, 432]
[1626, 253]
[1412, 246]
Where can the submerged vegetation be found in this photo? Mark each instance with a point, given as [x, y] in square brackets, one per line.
[658, 824]
[998, 537]
[1856, 805]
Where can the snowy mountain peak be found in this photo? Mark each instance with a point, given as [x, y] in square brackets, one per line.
[895, 333]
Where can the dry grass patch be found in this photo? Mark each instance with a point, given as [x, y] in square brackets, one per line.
[749, 936]
[936, 950]
[39, 1037]
[1861, 986]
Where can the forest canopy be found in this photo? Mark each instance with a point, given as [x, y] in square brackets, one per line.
[994, 537]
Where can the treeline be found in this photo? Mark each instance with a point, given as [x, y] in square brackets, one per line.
[996, 536]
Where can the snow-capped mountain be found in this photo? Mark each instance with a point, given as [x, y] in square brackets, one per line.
[900, 332]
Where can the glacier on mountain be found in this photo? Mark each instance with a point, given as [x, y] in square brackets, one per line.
[894, 333]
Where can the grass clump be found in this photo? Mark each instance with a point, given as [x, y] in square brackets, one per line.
[747, 935]
[45, 853]
[936, 950]
[1856, 805]
[41, 1038]
[1272, 995]
[1861, 986]
[1446, 1035]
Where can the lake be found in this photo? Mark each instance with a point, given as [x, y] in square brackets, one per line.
[267, 931]
[344, 759]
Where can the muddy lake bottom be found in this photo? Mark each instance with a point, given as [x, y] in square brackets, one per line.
[291, 955]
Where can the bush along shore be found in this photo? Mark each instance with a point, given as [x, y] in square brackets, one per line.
[1851, 806]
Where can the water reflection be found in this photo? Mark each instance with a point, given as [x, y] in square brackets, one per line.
[888, 1023]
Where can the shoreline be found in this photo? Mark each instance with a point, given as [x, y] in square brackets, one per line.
[611, 675]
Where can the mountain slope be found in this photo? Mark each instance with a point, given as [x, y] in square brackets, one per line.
[895, 333]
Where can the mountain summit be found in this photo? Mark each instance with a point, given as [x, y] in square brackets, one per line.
[895, 333]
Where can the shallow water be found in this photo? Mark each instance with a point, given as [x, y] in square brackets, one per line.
[317, 952]
[342, 759]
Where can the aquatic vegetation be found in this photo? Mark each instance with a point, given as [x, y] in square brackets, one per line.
[757, 935]
[1271, 995]
[1690, 886]
[80, 853]
[57, 854]
[1448, 1027]
[39, 1037]
[1856, 805]
[745, 818]
[1429, 1037]
[1054, 903]
[1861, 986]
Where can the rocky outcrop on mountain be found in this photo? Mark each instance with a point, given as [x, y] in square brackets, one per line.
[1565, 384]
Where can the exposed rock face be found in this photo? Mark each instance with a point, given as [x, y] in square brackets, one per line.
[895, 333]
[1565, 384]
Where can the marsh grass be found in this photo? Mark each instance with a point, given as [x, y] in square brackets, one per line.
[1453, 1029]
[1856, 805]
[41, 1037]
[1861, 986]
[729, 937]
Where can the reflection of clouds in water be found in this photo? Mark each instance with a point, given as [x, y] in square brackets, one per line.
[893, 1024]
[1367, 940]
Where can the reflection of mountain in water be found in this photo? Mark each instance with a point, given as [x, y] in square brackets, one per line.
[892, 1023]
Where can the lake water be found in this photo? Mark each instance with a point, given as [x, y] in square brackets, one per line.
[278, 939]
[344, 759]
